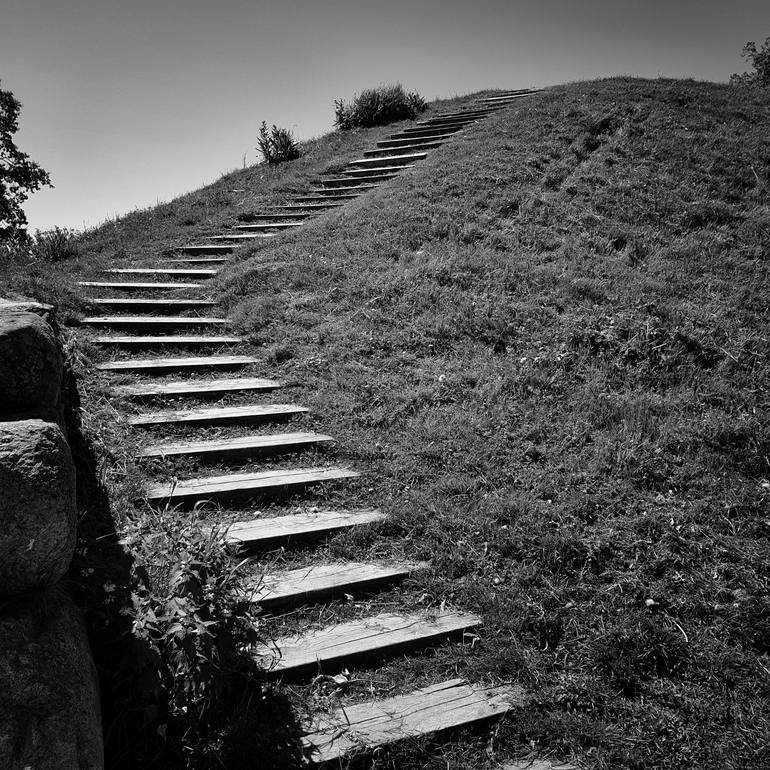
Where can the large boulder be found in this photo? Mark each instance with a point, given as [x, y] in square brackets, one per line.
[30, 363]
[38, 515]
[49, 696]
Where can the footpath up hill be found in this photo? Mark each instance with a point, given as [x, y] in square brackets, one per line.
[545, 349]
[548, 346]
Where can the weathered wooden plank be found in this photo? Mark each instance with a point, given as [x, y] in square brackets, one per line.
[187, 363]
[218, 414]
[329, 195]
[164, 305]
[205, 248]
[395, 142]
[196, 260]
[444, 706]
[389, 160]
[152, 322]
[136, 286]
[167, 340]
[360, 173]
[188, 272]
[377, 153]
[243, 485]
[257, 227]
[314, 207]
[241, 236]
[481, 112]
[195, 387]
[373, 637]
[427, 131]
[235, 447]
[324, 581]
[278, 216]
[271, 532]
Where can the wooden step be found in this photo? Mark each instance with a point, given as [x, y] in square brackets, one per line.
[514, 92]
[293, 529]
[241, 446]
[326, 581]
[233, 415]
[184, 364]
[262, 226]
[133, 286]
[152, 322]
[201, 249]
[413, 140]
[278, 216]
[445, 122]
[329, 649]
[241, 236]
[363, 173]
[381, 152]
[482, 112]
[243, 486]
[185, 272]
[439, 707]
[311, 206]
[350, 182]
[390, 160]
[165, 305]
[168, 341]
[503, 99]
[427, 131]
[196, 260]
[332, 195]
[199, 388]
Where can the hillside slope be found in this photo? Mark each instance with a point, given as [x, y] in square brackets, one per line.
[548, 347]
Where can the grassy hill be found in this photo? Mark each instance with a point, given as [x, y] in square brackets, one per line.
[546, 347]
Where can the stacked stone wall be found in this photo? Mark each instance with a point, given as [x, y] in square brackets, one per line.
[49, 695]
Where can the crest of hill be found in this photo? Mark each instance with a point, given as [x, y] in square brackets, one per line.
[548, 346]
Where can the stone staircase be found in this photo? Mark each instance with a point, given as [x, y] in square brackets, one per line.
[164, 348]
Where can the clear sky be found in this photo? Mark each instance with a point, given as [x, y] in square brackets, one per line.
[131, 103]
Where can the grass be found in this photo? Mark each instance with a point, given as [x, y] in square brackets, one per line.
[546, 347]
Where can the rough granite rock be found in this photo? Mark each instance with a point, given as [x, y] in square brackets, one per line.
[49, 695]
[38, 515]
[30, 362]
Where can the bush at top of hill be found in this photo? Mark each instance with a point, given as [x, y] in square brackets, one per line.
[378, 107]
[759, 58]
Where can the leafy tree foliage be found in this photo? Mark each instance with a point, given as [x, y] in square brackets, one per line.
[19, 175]
[759, 58]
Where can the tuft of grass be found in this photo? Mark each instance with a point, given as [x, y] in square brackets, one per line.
[378, 107]
[56, 245]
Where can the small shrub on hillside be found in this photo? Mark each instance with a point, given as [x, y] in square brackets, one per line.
[378, 107]
[277, 144]
[56, 245]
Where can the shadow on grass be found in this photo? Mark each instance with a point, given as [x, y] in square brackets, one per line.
[251, 721]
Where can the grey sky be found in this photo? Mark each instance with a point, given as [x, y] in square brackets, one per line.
[131, 103]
